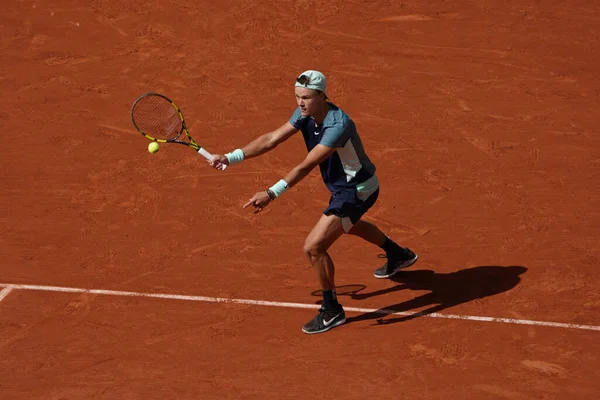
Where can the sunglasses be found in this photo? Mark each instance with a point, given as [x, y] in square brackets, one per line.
[303, 80]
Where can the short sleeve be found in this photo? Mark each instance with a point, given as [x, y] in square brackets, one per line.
[335, 136]
[296, 119]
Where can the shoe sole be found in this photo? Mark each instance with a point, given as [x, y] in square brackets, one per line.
[338, 323]
[406, 264]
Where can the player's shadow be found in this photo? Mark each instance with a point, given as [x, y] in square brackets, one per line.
[444, 290]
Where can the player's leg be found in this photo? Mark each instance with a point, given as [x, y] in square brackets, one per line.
[398, 257]
[369, 232]
[323, 235]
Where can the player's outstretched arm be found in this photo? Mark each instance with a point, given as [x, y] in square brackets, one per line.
[258, 146]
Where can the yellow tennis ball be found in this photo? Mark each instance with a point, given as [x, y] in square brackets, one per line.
[153, 147]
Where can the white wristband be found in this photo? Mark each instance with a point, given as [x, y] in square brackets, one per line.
[235, 157]
[279, 188]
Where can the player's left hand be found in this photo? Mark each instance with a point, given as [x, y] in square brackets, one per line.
[259, 201]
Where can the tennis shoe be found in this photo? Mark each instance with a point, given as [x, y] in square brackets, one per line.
[396, 261]
[326, 319]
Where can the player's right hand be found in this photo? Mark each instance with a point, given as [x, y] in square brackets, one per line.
[219, 162]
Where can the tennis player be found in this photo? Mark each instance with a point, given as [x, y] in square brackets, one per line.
[334, 145]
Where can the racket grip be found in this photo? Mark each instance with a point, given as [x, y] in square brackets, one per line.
[209, 157]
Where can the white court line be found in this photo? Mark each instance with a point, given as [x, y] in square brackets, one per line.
[9, 287]
[4, 292]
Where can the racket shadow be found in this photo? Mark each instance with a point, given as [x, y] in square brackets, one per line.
[344, 290]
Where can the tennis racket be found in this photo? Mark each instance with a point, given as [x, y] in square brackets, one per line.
[160, 120]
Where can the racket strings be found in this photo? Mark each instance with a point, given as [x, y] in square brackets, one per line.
[156, 117]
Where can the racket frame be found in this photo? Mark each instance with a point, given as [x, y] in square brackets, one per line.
[192, 143]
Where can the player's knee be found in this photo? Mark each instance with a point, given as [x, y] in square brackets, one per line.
[311, 250]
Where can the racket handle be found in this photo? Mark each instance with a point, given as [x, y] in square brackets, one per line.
[209, 157]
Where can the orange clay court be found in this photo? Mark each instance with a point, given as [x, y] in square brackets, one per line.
[127, 275]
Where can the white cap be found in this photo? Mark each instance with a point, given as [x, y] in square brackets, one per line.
[312, 79]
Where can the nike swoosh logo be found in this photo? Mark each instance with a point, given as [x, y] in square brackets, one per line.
[327, 323]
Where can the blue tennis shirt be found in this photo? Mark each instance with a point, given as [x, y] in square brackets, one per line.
[349, 165]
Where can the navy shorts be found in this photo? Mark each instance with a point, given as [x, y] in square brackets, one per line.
[346, 205]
